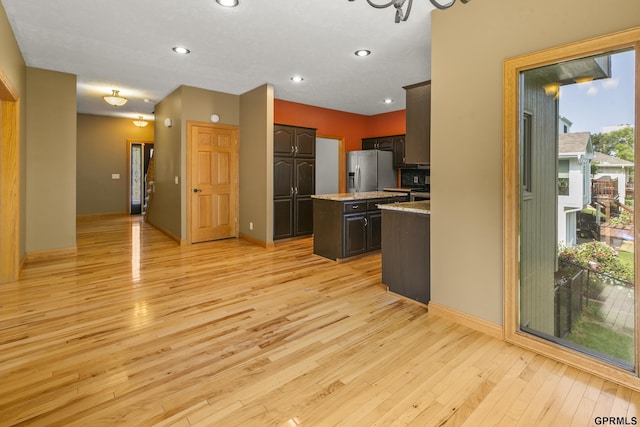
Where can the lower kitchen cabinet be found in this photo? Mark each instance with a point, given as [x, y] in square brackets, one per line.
[355, 234]
[406, 257]
[342, 229]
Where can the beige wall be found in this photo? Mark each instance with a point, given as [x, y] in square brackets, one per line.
[169, 205]
[102, 151]
[469, 44]
[256, 163]
[13, 66]
[165, 211]
[198, 105]
[51, 160]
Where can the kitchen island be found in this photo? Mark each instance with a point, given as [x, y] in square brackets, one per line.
[349, 224]
[406, 267]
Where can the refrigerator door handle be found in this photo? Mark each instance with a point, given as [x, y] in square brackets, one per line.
[357, 178]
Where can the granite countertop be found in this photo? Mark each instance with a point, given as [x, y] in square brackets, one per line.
[422, 207]
[344, 197]
[398, 190]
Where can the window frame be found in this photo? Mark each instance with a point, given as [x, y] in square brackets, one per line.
[512, 184]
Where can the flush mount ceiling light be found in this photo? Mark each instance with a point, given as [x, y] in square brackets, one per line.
[141, 122]
[115, 99]
[227, 3]
[362, 52]
[181, 50]
[297, 79]
[388, 101]
[402, 14]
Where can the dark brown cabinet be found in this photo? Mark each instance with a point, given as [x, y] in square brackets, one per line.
[343, 229]
[293, 181]
[294, 141]
[406, 254]
[393, 143]
[355, 234]
[398, 151]
[418, 143]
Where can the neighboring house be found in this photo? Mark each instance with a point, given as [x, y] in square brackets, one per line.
[613, 168]
[575, 153]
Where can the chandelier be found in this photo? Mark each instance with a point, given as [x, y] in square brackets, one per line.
[403, 15]
[141, 122]
[115, 99]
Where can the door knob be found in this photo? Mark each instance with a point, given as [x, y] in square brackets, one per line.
[196, 190]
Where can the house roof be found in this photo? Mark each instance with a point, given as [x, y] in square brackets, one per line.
[574, 144]
[607, 160]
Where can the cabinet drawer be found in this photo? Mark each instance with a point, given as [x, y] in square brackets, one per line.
[353, 207]
[372, 205]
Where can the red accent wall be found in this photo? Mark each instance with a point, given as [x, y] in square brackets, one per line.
[393, 123]
[339, 124]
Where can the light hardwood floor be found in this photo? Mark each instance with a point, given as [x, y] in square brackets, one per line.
[136, 330]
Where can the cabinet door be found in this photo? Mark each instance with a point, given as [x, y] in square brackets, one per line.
[418, 144]
[374, 231]
[305, 177]
[369, 143]
[303, 212]
[282, 218]
[305, 143]
[283, 139]
[283, 189]
[283, 185]
[355, 234]
[385, 143]
[398, 151]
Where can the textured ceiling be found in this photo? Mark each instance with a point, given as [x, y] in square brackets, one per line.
[126, 45]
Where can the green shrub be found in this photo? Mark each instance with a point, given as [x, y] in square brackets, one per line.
[599, 257]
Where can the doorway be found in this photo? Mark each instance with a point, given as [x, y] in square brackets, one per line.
[570, 255]
[139, 155]
[9, 182]
[330, 171]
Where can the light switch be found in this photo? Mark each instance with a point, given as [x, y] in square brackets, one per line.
[176, 180]
[115, 176]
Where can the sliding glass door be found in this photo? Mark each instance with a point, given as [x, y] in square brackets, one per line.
[570, 198]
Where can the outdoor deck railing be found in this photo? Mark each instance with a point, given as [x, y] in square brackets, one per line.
[604, 188]
[575, 290]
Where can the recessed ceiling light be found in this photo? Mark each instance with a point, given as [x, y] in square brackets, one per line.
[181, 50]
[297, 79]
[388, 101]
[363, 52]
[227, 3]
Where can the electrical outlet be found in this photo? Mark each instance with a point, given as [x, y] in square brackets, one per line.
[250, 226]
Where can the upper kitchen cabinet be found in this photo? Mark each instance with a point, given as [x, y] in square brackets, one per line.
[418, 143]
[294, 141]
[393, 143]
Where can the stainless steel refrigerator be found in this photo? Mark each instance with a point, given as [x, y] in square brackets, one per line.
[370, 170]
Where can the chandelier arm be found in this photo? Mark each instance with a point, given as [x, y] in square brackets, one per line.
[406, 16]
[380, 6]
[442, 7]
